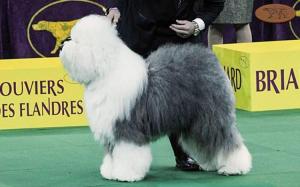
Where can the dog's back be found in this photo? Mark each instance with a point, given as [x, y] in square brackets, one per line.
[190, 84]
[186, 84]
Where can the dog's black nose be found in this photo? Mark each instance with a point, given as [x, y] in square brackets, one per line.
[67, 39]
[62, 43]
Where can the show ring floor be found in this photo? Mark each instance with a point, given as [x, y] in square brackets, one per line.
[69, 157]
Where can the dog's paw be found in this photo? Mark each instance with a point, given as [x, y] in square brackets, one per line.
[227, 170]
[127, 166]
[239, 162]
[106, 167]
[127, 176]
[208, 167]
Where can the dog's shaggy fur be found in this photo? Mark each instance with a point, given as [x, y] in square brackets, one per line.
[131, 101]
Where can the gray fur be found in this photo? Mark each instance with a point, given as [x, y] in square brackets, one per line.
[187, 93]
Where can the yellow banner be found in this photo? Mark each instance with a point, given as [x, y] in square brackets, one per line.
[37, 93]
[264, 75]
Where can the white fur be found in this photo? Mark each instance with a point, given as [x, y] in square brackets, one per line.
[129, 162]
[237, 162]
[113, 97]
[114, 76]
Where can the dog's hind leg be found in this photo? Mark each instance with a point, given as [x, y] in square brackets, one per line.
[229, 157]
[236, 162]
[131, 162]
[234, 159]
[192, 147]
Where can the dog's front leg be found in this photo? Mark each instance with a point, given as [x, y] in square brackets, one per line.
[131, 162]
[107, 163]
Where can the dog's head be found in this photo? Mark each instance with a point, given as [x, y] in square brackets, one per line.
[86, 54]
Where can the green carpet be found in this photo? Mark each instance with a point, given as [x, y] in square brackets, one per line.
[69, 157]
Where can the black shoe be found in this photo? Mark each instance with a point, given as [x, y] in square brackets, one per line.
[187, 164]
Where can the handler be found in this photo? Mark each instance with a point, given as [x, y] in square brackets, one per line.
[144, 25]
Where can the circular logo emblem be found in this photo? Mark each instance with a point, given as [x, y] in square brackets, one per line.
[296, 20]
[275, 13]
[52, 24]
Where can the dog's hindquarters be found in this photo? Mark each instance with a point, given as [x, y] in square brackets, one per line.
[202, 97]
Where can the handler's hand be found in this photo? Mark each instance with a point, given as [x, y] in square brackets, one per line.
[183, 28]
[114, 15]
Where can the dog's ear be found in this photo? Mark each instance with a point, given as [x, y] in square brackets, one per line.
[79, 61]
[92, 27]
[84, 60]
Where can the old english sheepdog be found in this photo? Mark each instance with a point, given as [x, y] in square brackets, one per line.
[131, 101]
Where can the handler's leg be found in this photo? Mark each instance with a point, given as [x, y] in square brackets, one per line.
[183, 161]
[215, 34]
[243, 33]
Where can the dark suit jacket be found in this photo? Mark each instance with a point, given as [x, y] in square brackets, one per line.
[144, 24]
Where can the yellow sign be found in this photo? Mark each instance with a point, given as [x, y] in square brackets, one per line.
[36, 93]
[264, 75]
